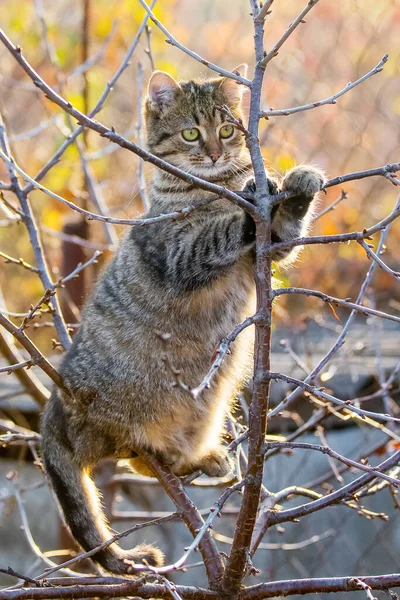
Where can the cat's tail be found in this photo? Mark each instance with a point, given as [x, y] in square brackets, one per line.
[79, 500]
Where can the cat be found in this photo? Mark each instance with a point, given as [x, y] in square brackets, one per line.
[190, 278]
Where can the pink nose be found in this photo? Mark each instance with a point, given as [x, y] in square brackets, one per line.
[215, 156]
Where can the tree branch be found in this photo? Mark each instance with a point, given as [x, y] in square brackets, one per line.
[34, 352]
[321, 585]
[29, 221]
[28, 380]
[191, 516]
[299, 19]
[331, 100]
[171, 40]
[115, 137]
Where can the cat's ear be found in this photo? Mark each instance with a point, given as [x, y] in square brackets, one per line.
[161, 90]
[232, 90]
[241, 70]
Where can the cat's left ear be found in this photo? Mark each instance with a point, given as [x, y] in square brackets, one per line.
[161, 90]
[232, 90]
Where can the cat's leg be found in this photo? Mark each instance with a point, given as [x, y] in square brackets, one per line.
[216, 462]
[70, 447]
[291, 218]
[174, 446]
[198, 448]
[211, 456]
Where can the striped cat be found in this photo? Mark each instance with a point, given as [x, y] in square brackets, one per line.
[192, 279]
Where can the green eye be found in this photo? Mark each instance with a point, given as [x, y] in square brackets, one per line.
[191, 135]
[226, 131]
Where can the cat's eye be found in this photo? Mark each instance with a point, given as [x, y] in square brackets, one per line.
[191, 135]
[226, 131]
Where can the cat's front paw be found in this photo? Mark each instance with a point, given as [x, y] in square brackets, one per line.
[216, 463]
[304, 181]
[250, 187]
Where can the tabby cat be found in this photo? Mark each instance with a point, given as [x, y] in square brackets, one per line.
[192, 279]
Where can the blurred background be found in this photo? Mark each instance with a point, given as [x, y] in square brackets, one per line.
[339, 43]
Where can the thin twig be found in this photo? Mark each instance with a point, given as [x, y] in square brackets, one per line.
[365, 310]
[171, 40]
[331, 100]
[30, 382]
[29, 221]
[21, 365]
[299, 19]
[332, 206]
[34, 352]
[381, 263]
[19, 261]
[99, 105]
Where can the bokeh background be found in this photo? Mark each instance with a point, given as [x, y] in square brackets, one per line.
[340, 42]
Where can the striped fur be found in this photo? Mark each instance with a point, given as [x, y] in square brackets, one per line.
[191, 279]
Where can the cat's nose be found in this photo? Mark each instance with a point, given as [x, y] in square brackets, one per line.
[215, 156]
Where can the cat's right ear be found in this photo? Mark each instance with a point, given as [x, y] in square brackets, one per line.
[232, 91]
[161, 90]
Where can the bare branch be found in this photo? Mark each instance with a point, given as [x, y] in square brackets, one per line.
[365, 310]
[332, 206]
[28, 380]
[191, 516]
[147, 221]
[334, 497]
[79, 268]
[124, 64]
[299, 19]
[239, 555]
[375, 257]
[21, 365]
[319, 393]
[331, 100]
[171, 40]
[264, 11]
[329, 452]
[19, 261]
[220, 354]
[36, 355]
[31, 226]
[108, 589]
[322, 585]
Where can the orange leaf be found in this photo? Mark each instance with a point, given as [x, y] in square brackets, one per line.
[334, 312]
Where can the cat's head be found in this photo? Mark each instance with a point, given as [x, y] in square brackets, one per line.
[186, 127]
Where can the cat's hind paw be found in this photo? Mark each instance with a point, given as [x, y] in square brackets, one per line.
[216, 463]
